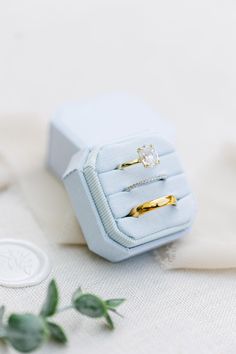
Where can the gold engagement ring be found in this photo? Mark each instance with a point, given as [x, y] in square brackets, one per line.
[147, 155]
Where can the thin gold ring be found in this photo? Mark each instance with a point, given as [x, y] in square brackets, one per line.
[152, 205]
[147, 155]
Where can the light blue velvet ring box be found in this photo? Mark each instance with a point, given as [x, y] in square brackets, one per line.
[97, 191]
[85, 146]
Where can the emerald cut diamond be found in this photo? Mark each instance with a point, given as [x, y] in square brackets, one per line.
[148, 156]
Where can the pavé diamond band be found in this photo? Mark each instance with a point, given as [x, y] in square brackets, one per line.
[143, 182]
[152, 205]
[147, 155]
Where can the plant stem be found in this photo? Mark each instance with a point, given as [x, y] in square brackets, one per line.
[63, 309]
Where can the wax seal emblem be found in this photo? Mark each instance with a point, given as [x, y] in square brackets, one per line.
[22, 264]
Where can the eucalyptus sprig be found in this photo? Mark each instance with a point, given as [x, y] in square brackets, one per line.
[27, 332]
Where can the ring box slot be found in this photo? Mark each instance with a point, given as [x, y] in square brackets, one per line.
[116, 181]
[122, 203]
[170, 218]
[112, 155]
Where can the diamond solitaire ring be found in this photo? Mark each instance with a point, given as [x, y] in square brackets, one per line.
[145, 181]
[152, 205]
[147, 155]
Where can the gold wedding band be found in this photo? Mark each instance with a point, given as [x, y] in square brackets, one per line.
[147, 155]
[152, 205]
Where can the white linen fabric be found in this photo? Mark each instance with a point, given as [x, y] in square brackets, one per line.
[212, 242]
[23, 144]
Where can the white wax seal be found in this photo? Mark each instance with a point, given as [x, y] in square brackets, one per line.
[22, 264]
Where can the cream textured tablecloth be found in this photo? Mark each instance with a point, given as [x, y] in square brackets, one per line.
[178, 55]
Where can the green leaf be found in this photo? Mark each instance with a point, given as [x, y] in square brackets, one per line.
[50, 306]
[109, 321]
[26, 332]
[89, 305]
[113, 303]
[56, 332]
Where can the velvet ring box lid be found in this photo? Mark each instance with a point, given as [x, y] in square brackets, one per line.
[100, 120]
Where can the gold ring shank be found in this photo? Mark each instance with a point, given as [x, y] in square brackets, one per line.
[152, 205]
[128, 164]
